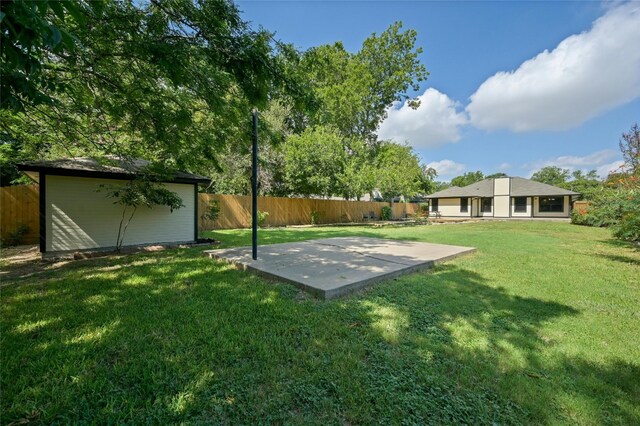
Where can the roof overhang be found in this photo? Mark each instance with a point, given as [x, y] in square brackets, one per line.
[34, 171]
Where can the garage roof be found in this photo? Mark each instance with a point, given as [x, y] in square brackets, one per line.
[110, 168]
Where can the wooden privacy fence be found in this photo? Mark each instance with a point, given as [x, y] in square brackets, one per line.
[19, 205]
[580, 206]
[235, 210]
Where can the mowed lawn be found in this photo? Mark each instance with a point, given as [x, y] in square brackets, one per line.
[540, 325]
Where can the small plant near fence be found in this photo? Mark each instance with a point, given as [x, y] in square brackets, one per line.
[211, 213]
[262, 218]
[16, 237]
[315, 217]
[424, 209]
[386, 213]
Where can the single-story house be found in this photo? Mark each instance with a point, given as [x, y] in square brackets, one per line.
[503, 197]
[76, 214]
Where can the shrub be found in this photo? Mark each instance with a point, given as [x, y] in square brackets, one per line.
[616, 207]
[262, 218]
[424, 209]
[627, 227]
[315, 217]
[16, 237]
[136, 193]
[210, 214]
[386, 213]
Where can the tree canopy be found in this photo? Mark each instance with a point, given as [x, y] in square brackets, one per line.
[173, 81]
[551, 175]
[467, 179]
[356, 89]
[630, 148]
[165, 80]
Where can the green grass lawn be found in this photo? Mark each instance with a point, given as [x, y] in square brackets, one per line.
[540, 325]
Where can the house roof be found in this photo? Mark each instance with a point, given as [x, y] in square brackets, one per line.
[484, 188]
[519, 187]
[113, 168]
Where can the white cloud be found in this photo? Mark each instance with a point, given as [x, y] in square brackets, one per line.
[603, 171]
[435, 122]
[602, 161]
[447, 168]
[504, 166]
[585, 75]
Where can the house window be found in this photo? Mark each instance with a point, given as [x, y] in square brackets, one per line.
[464, 205]
[434, 205]
[486, 205]
[520, 204]
[552, 204]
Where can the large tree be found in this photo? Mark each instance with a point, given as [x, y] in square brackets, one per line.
[356, 89]
[171, 80]
[467, 179]
[313, 161]
[551, 175]
[398, 170]
[630, 148]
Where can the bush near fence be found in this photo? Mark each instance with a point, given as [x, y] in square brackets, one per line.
[19, 205]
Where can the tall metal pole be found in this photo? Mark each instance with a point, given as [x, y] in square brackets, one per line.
[254, 186]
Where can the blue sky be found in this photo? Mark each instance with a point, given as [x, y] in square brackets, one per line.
[514, 86]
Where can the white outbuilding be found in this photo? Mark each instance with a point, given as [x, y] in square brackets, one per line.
[76, 214]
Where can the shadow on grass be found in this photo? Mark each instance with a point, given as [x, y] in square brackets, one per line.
[621, 244]
[622, 259]
[174, 337]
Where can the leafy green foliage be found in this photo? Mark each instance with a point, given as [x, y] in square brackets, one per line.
[386, 213]
[313, 159]
[262, 218]
[496, 175]
[467, 179]
[168, 81]
[551, 175]
[398, 170]
[315, 217]
[32, 38]
[211, 213]
[355, 90]
[139, 193]
[586, 184]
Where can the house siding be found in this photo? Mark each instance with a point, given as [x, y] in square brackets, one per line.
[79, 216]
[450, 207]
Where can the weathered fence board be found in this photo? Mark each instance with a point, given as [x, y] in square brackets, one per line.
[19, 205]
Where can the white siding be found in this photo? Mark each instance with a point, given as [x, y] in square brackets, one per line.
[450, 207]
[538, 213]
[78, 216]
[501, 186]
[501, 206]
[527, 213]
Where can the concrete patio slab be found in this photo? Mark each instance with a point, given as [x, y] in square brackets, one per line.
[333, 267]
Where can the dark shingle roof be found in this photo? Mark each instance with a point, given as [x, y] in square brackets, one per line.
[484, 188]
[519, 187]
[113, 168]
